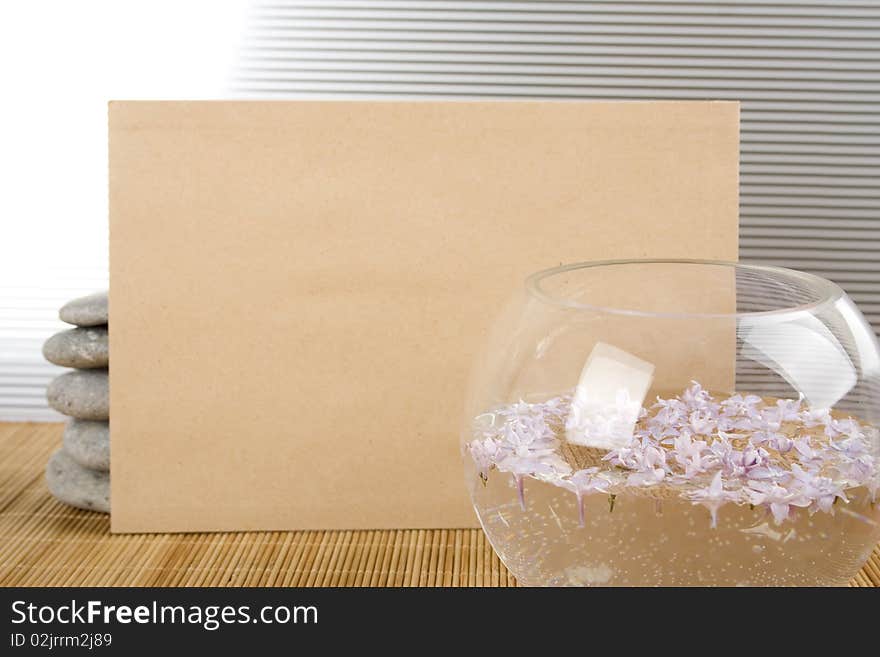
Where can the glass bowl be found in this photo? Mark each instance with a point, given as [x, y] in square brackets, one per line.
[677, 422]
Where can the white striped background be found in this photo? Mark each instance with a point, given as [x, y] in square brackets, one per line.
[807, 73]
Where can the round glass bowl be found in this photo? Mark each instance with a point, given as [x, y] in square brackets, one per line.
[677, 423]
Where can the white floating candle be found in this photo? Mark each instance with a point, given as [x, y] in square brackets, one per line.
[608, 398]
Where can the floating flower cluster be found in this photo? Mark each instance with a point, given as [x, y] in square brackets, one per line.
[781, 456]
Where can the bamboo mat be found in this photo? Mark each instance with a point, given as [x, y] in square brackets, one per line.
[46, 543]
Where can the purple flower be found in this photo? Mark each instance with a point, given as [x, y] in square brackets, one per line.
[689, 455]
[767, 472]
[645, 458]
[737, 423]
[524, 439]
[534, 466]
[638, 455]
[539, 468]
[622, 457]
[669, 418]
[850, 447]
[814, 417]
[786, 410]
[696, 398]
[805, 451]
[524, 445]
[583, 482]
[736, 463]
[647, 477]
[712, 497]
[859, 470]
[737, 405]
[774, 440]
[516, 410]
[557, 407]
[720, 449]
[822, 491]
[484, 452]
[776, 497]
[702, 422]
[782, 444]
[847, 427]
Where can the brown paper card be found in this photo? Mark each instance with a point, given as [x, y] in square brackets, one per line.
[298, 288]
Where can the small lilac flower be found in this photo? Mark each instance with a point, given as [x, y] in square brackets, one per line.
[646, 459]
[689, 454]
[847, 427]
[521, 467]
[789, 409]
[720, 449]
[696, 397]
[525, 445]
[672, 414]
[702, 422]
[859, 470]
[536, 466]
[786, 410]
[822, 491]
[814, 417]
[516, 409]
[647, 477]
[768, 472]
[738, 463]
[623, 457]
[737, 423]
[637, 455]
[557, 408]
[583, 482]
[739, 405]
[782, 444]
[849, 447]
[712, 497]
[775, 496]
[855, 464]
[484, 453]
[805, 451]
[663, 433]
[768, 437]
[753, 457]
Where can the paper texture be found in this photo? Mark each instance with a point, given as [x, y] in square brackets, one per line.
[298, 288]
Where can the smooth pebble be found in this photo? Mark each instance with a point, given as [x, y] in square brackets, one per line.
[91, 310]
[73, 484]
[88, 443]
[83, 348]
[83, 394]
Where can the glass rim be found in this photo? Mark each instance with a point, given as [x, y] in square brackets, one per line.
[827, 291]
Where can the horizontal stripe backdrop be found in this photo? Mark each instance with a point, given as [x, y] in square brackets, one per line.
[807, 73]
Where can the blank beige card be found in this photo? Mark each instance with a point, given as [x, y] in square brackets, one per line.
[298, 288]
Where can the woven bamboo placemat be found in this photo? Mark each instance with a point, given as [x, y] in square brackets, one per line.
[46, 543]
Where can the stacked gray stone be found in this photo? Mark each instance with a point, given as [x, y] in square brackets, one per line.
[79, 472]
